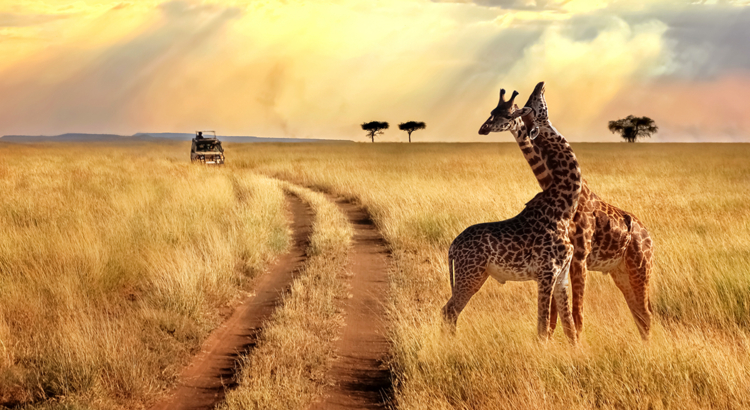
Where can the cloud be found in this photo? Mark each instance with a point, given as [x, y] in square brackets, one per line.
[97, 89]
[27, 20]
[707, 41]
[513, 4]
[584, 75]
[121, 6]
[320, 69]
[702, 40]
[183, 8]
[583, 71]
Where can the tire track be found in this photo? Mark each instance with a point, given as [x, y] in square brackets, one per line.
[359, 378]
[203, 383]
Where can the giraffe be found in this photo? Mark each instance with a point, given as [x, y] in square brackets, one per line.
[533, 245]
[605, 238]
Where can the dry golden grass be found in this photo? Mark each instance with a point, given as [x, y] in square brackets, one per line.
[116, 262]
[287, 369]
[693, 199]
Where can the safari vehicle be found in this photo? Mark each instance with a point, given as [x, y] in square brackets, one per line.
[206, 149]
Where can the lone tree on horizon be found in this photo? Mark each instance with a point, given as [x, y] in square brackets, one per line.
[374, 128]
[632, 128]
[411, 126]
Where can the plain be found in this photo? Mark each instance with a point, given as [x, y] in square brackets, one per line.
[109, 250]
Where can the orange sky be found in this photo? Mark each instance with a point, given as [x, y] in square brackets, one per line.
[318, 69]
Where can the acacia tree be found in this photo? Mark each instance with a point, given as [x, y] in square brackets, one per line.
[632, 128]
[411, 126]
[374, 128]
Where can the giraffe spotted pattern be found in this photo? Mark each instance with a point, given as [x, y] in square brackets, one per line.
[534, 245]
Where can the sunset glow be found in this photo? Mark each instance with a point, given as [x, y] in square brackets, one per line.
[319, 69]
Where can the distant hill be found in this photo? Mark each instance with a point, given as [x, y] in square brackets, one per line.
[189, 136]
[76, 137]
[73, 137]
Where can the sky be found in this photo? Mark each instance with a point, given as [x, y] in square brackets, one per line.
[319, 68]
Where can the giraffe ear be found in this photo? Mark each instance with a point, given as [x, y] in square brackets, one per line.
[522, 112]
[534, 132]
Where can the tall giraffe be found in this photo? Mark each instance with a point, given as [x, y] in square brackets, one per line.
[606, 238]
[533, 245]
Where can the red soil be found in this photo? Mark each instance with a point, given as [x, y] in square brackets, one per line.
[203, 383]
[359, 378]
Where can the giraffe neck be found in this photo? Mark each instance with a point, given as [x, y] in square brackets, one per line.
[558, 162]
[533, 156]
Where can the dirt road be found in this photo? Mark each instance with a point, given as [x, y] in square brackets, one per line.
[203, 383]
[359, 378]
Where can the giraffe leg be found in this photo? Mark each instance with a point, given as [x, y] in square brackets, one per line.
[468, 279]
[578, 287]
[578, 269]
[552, 316]
[581, 240]
[543, 309]
[563, 306]
[638, 265]
[641, 308]
[621, 276]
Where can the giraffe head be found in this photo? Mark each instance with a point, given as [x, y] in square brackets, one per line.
[504, 116]
[538, 104]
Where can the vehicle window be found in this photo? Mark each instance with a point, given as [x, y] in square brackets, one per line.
[208, 147]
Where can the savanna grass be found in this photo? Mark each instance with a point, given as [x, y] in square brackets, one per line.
[115, 263]
[693, 199]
